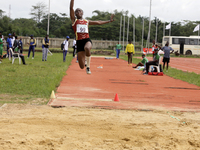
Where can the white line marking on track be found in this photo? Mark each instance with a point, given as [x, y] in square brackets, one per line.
[84, 99]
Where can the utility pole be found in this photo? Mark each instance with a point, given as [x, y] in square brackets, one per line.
[156, 30]
[142, 35]
[120, 30]
[127, 30]
[134, 32]
[48, 19]
[9, 11]
[123, 32]
[148, 38]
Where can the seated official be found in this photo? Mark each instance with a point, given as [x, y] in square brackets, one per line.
[154, 62]
[16, 49]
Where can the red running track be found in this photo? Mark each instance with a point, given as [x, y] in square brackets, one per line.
[135, 91]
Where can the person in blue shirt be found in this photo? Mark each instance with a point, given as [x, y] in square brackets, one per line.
[45, 47]
[32, 43]
[9, 44]
[21, 45]
[167, 51]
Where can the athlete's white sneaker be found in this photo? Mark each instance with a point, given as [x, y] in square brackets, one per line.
[88, 70]
[32, 57]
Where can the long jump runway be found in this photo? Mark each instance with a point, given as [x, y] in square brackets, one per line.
[135, 91]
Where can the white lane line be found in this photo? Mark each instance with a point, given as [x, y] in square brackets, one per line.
[84, 99]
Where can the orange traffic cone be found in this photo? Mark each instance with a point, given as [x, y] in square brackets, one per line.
[116, 98]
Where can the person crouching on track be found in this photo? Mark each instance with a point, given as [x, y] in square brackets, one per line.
[130, 51]
[154, 62]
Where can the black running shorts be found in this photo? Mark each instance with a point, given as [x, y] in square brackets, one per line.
[81, 44]
[166, 60]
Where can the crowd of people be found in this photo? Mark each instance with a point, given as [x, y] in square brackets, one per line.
[14, 47]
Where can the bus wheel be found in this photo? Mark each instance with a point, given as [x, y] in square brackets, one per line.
[188, 52]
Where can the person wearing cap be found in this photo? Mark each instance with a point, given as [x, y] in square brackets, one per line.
[32, 43]
[154, 62]
[65, 48]
[9, 44]
[45, 47]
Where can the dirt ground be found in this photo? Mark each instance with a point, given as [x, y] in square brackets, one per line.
[32, 127]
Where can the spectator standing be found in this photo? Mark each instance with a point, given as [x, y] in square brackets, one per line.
[9, 44]
[1, 48]
[130, 51]
[118, 48]
[167, 51]
[1, 36]
[21, 45]
[32, 43]
[13, 38]
[74, 47]
[45, 47]
[65, 48]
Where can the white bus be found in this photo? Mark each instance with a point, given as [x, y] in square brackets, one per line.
[185, 45]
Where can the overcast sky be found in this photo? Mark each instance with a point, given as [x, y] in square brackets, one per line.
[166, 10]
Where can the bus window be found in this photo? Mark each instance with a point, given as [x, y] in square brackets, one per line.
[187, 41]
[193, 42]
[175, 41]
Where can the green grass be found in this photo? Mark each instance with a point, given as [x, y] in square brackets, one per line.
[189, 77]
[32, 81]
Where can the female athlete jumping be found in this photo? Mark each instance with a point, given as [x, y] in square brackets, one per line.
[80, 27]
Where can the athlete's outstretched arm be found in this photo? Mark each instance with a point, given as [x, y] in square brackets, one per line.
[101, 22]
[72, 14]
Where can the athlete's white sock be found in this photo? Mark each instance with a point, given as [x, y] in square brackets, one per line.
[88, 61]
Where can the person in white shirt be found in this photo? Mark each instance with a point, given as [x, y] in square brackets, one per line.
[65, 48]
[74, 47]
[13, 39]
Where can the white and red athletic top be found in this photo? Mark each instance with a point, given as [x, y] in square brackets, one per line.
[80, 28]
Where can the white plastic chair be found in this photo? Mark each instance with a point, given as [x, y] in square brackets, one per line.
[156, 66]
[14, 56]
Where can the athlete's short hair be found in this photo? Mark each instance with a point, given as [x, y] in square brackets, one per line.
[77, 9]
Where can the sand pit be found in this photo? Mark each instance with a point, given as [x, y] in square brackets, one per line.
[29, 127]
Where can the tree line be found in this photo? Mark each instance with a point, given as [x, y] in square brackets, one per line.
[60, 25]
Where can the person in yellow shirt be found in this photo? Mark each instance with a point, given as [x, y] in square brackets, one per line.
[130, 51]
